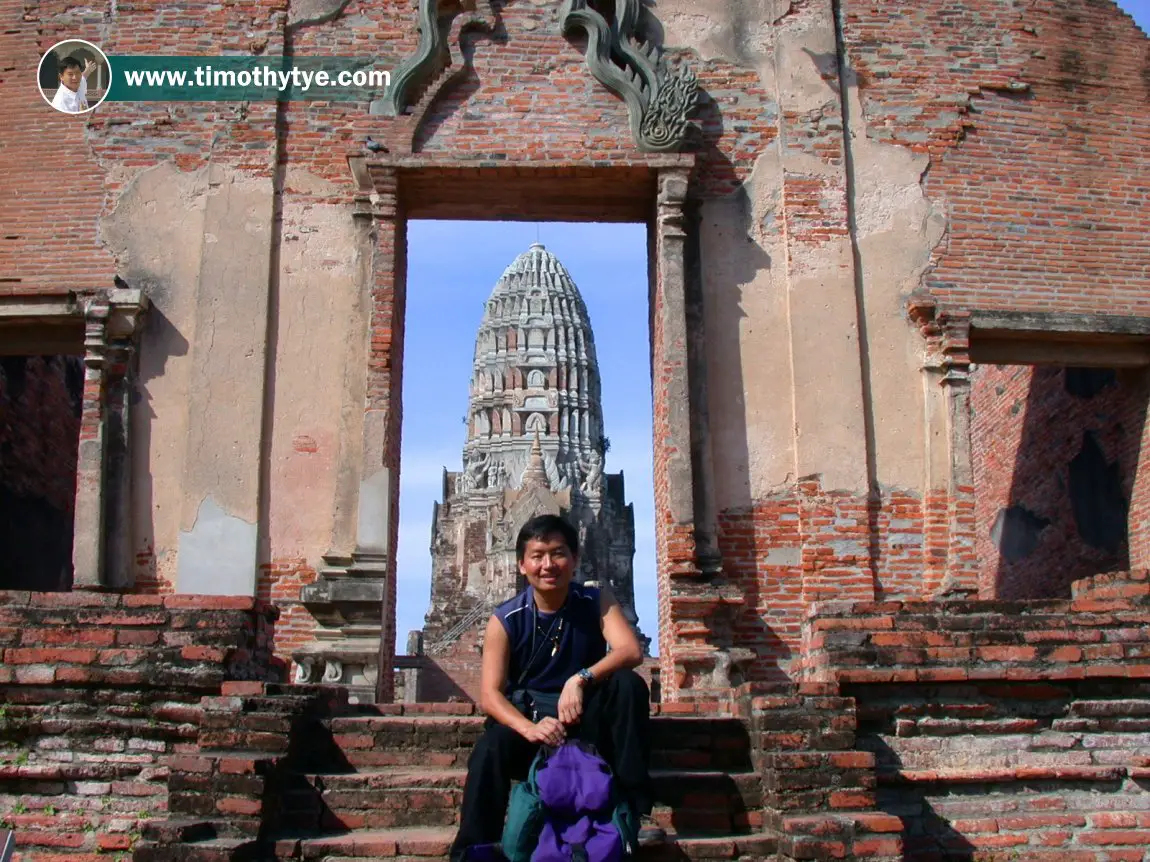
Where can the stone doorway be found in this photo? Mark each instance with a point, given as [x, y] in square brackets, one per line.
[539, 338]
[651, 190]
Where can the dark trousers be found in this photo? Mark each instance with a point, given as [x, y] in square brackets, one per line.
[616, 716]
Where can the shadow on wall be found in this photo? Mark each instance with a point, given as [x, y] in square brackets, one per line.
[926, 834]
[437, 686]
[716, 314]
[1064, 513]
[160, 341]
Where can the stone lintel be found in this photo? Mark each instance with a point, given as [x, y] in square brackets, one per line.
[1058, 323]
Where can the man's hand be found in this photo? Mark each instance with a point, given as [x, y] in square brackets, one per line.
[549, 731]
[89, 67]
[571, 701]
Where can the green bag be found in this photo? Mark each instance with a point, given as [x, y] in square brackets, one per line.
[525, 816]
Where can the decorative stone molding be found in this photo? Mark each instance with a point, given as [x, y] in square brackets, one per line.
[660, 97]
[947, 359]
[304, 672]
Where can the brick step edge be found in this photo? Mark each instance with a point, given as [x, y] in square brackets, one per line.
[1010, 774]
[757, 846]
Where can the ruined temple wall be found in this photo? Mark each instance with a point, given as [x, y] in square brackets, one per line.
[247, 424]
[1043, 174]
[236, 223]
[970, 173]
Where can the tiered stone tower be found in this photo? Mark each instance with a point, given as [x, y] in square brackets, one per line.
[535, 444]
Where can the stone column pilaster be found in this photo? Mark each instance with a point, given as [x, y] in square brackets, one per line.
[696, 610]
[101, 546]
[674, 471]
[950, 567]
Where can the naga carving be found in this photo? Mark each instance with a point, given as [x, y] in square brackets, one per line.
[660, 97]
[438, 60]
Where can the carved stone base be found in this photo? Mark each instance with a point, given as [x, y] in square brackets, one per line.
[711, 672]
[350, 662]
[347, 602]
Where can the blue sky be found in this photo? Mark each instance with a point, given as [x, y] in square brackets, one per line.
[452, 267]
[1139, 10]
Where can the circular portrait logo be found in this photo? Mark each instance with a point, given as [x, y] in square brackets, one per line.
[74, 76]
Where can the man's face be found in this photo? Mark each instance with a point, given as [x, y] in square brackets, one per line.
[548, 564]
[70, 78]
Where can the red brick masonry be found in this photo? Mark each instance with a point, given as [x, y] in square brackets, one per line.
[975, 730]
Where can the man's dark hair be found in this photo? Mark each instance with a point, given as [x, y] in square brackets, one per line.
[544, 527]
[70, 63]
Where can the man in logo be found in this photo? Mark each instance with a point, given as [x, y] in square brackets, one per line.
[72, 97]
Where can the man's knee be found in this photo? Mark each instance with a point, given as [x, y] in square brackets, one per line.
[627, 685]
[497, 743]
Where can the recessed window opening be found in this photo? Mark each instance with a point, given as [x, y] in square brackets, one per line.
[40, 403]
[1055, 451]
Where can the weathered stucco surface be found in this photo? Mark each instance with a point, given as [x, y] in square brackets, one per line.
[148, 232]
[744, 284]
[198, 417]
[896, 229]
[207, 277]
[786, 312]
[319, 349]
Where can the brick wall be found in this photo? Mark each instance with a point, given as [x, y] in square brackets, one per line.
[39, 434]
[1002, 727]
[49, 243]
[98, 692]
[1056, 452]
[455, 674]
[279, 583]
[795, 549]
[1039, 142]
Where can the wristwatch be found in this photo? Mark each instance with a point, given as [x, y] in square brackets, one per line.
[586, 676]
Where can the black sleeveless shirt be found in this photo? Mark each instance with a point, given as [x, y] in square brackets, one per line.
[556, 645]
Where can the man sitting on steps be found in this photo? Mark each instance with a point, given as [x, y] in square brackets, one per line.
[547, 675]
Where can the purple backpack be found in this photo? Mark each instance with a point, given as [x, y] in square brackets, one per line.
[575, 787]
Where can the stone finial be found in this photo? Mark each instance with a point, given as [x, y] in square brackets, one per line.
[535, 472]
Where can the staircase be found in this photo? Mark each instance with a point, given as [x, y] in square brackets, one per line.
[373, 783]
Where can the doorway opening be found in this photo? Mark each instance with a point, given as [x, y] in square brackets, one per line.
[527, 389]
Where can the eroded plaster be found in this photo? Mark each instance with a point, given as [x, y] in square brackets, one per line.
[897, 228]
[218, 554]
[199, 244]
[317, 415]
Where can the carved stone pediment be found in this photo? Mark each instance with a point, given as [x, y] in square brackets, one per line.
[660, 96]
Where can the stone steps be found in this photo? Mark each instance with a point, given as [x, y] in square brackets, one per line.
[699, 801]
[679, 742]
[385, 784]
[424, 844]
